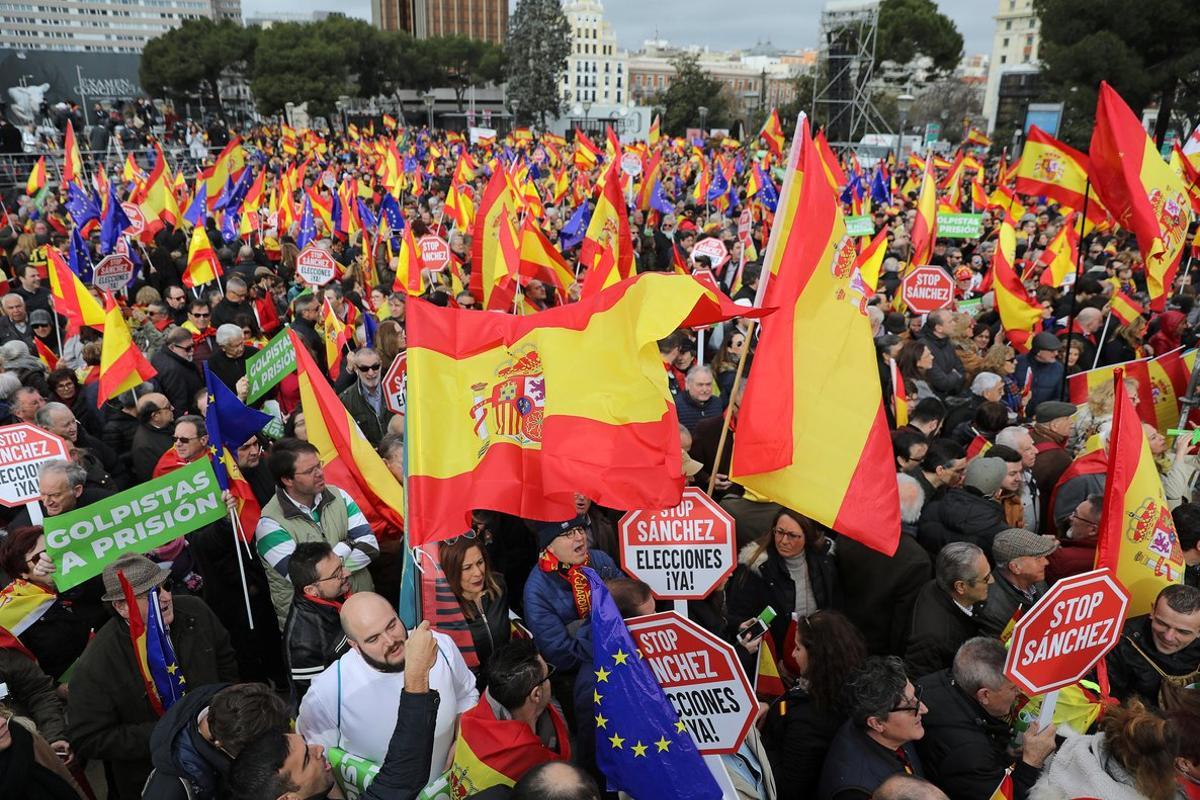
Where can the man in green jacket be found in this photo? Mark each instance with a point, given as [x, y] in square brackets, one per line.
[364, 398]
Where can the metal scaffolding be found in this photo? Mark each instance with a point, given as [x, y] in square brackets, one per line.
[843, 104]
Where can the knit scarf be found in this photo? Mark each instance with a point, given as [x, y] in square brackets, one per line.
[573, 575]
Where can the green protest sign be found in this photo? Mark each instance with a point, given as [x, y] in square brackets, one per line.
[352, 773]
[266, 368]
[137, 520]
[861, 225]
[960, 226]
[972, 306]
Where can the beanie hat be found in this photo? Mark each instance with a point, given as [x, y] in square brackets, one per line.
[985, 475]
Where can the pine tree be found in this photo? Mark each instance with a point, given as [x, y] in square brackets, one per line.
[539, 40]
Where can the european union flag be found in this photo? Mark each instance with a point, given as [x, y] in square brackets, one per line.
[720, 185]
[197, 212]
[367, 216]
[82, 206]
[112, 223]
[308, 225]
[854, 188]
[573, 231]
[642, 746]
[768, 195]
[160, 656]
[370, 326]
[881, 193]
[659, 200]
[230, 423]
[80, 256]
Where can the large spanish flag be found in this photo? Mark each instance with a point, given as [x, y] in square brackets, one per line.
[924, 229]
[347, 457]
[71, 297]
[518, 413]
[1140, 191]
[1061, 256]
[1161, 381]
[1020, 314]
[122, 365]
[1137, 535]
[785, 209]
[812, 433]
[493, 752]
[608, 229]
[495, 247]
[1050, 168]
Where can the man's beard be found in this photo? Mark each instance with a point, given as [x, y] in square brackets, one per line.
[381, 666]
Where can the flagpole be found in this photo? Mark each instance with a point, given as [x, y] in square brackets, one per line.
[238, 533]
[1100, 341]
[1087, 191]
[728, 416]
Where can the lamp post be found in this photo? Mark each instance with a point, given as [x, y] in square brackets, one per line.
[587, 106]
[516, 105]
[429, 98]
[703, 119]
[903, 104]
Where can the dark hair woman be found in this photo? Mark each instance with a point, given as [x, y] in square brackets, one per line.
[65, 388]
[482, 596]
[800, 726]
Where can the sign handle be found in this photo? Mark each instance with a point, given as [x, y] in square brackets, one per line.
[681, 608]
[1046, 717]
[717, 768]
[237, 527]
[35, 512]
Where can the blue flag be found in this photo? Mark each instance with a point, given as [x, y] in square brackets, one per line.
[659, 200]
[230, 423]
[854, 188]
[367, 216]
[197, 212]
[768, 195]
[308, 225]
[80, 256]
[82, 206]
[112, 223]
[230, 223]
[335, 215]
[720, 185]
[573, 231]
[881, 193]
[160, 656]
[642, 746]
[370, 326]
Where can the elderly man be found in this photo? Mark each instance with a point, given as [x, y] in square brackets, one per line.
[15, 325]
[947, 374]
[156, 424]
[233, 303]
[26, 402]
[1048, 371]
[178, 376]
[1020, 576]
[307, 311]
[945, 613]
[62, 487]
[351, 704]
[967, 734]
[364, 398]
[985, 387]
[1020, 440]
[1088, 321]
[229, 361]
[1076, 551]
[110, 715]
[1164, 644]
[190, 443]
[967, 513]
[697, 401]
[97, 457]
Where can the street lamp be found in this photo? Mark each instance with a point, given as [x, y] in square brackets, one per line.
[516, 104]
[903, 104]
[429, 99]
[587, 106]
[703, 118]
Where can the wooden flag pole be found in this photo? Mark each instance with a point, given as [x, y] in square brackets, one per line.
[728, 416]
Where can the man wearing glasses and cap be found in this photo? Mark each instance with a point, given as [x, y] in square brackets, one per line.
[109, 713]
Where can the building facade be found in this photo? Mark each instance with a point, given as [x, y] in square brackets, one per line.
[486, 20]
[101, 26]
[1014, 50]
[597, 70]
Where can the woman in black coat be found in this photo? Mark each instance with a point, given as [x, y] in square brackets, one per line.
[483, 598]
[799, 726]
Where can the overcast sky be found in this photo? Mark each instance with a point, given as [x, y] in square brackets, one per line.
[789, 24]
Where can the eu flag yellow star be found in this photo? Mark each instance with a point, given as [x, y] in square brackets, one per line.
[602, 675]
[596, 696]
[171, 668]
[680, 726]
[663, 745]
[617, 742]
[639, 750]
[601, 721]
[620, 656]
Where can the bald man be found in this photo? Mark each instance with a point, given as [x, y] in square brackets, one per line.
[1086, 331]
[153, 437]
[353, 703]
[906, 787]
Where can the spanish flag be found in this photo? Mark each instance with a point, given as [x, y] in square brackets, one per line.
[978, 138]
[1137, 536]
[37, 178]
[1161, 382]
[541, 260]
[1061, 256]
[408, 265]
[71, 298]
[1125, 308]
[347, 457]
[1006, 790]
[122, 365]
[586, 151]
[924, 230]
[870, 260]
[1020, 314]
[1140, 191]
[820, 447]
[833, 170]
[608, 229]
[768, 683]
[497, 752]
[495, 247]
[772, 133]
[518, 413]
[459, 207]
[337, 336]
[23, 603]
[203, 266]
[654, 131]
[72, 162]
[1050, 168]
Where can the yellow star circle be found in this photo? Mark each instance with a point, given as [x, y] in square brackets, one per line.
[617, 742]
[639, 750]
[663, 745]
[602, 675]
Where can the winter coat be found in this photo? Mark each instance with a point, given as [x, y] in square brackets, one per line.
[373, 425]
[880, 590]
[960, 515]
[1083, 767]
[1003, 601]
[690, 412]
[1052, 461]
[230, 370]
[797, 735]
[765, 581]
[551, 616]
[149, 444]
[110, 716]
[939, 626]
[177, 378]
[490, 629]
[186, 765]
[30, 769]
[312, 640]
[1131, 673]
[118, 433]
[31, 693]
[965, 749]
[856, 765]
[1047, 379]
[947, 374]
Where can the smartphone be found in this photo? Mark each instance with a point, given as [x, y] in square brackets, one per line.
[758, 626]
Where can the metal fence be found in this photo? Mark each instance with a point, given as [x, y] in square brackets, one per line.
[15, 167]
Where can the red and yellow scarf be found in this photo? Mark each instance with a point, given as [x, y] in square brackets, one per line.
[573, 575]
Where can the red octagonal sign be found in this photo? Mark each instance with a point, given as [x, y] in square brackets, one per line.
[927, 289]
[315, 266]
[1066, 632]
[23, 450]
[702, 678]
[682, 553]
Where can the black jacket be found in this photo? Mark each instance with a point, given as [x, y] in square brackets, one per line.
[1130, 673]
[118, 433]
[856, 764]
[312, 640]
[939, 626]
[797, 735]
[226, 312]
[960, 515]
[308, 332]
[880, 590]
[965, 749]
[180, 754]
[373, 425]
[177, 378]
[230, 370]
[947, 374]
[149, 444]
[490, 629]
[1003, 601]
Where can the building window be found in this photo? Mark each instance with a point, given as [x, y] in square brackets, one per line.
[1005, 42]
[1008, 25]
[1003, 59]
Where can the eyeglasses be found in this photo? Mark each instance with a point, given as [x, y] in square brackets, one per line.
[338, 574]
[469, 535]
[550, 670]
[915, 708]
[185, 439]
[187, 348]
[1091, 523]
[573, 533]
[985, 579]
[370, 367]
[788, 535]
[200, 316]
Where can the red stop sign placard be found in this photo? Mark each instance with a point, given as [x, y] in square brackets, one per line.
[927, 289]
[435, 252]
[701, 677]
[395, 385]
[682, 553]
[1066, 632]
[315, 267]
[24, 448]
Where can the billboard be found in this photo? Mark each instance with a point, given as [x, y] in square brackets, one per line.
[29, 78]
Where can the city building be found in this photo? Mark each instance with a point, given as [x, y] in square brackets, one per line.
[486, 20]
[266, 19]
[597, 70]
[101, 26]
[1014, 54]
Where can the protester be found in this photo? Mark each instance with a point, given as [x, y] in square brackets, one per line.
[154, 436]
[1019, 577]
[943, 467]
[312, 635]
[364, 398]
[945, 612]
[482, 595]
[1076, 551]
[177, 376]
[1161, 645]
[967, 513]
[697, 401]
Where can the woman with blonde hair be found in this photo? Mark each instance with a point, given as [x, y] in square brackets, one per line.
[1127, 344]
[1097, 411]
[1000, 359]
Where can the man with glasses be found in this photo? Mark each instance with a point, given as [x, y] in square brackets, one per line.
[178, 378]
[189, 443]
[364, 398]
[156, 422]
[312, 636]
[306, 509]
[945, 613]
[515, 710]
[353, 703]
[233, 304]
[176, 300]
[878, 740]
[110, 716]
[199, 325]
[1076, 551]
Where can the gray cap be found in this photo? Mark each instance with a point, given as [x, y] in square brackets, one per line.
[41, 317]
[985, 475]
[1014, 543]
[1051, 410]
[1045, 341]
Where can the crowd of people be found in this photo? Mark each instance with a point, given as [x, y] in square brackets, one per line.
[893, 665]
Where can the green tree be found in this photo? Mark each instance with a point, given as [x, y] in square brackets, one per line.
[539, 41]
[460, 63]
[1151, 55]
[296, 63]
[192, 58]
[692, 87]
[911, 28]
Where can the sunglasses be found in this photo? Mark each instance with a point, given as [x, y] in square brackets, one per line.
[550, 670]
[469, 535]
[185, 439]
[370, 367]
